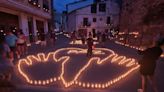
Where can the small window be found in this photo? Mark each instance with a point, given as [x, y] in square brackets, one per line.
[101, 19]
[102, 7]
[108, 20]
[85, 21]
[94, 19]
[45, 5]
[94, 32]
[93, 8]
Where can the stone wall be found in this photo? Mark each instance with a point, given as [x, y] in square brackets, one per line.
[132, 20]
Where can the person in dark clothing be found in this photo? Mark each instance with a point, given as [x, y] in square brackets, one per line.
[98, 36]
[53, 37]
[90, 45]
[148, 64]
[43, 40]
[103, 39]
[73, 37]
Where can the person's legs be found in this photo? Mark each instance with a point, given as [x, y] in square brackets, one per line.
[144, 83]
[11, 56]
[16, 52]
[19, 49]
[23, 49]
[152, 82]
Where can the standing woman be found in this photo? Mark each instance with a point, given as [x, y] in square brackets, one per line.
[148, 65]
[21, 42]
[11, 41]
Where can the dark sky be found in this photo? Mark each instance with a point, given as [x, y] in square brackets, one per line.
[59, 5]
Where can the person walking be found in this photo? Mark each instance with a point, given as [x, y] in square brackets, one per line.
[11, 41]
[148, 65]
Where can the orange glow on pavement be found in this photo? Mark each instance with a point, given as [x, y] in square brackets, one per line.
[42, 58]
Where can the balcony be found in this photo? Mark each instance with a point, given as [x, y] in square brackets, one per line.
[83, 25]
[35, 3]
[26, 6]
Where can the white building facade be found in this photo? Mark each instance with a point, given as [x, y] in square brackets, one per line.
[98, 16]
[32, 16]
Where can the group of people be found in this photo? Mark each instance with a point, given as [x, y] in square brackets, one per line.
[101, 38]
[11, 47]
[147, 63]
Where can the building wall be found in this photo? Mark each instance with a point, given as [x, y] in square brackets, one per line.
[112, 10]
[132, 15]
[72, 22]
[24, 11]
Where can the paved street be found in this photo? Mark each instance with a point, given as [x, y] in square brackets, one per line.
[96, 74]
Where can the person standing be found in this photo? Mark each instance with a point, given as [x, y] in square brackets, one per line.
[148, 65]
[21, 43]
[98, 36]
[11, 41]
[73, 37]
[43, 40]
[103, 39]
[53, 37]
[6, 68]
[90, 46]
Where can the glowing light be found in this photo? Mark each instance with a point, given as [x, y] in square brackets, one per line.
[112, 57]
[28, 44]
[37, 42]
[79, 42]
[134, 47]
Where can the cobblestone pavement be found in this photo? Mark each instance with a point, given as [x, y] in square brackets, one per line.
[129, 84]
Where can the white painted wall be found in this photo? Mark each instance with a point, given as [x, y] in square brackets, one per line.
[72, 22]
[23, 13]
[112, 10]
[23, 23]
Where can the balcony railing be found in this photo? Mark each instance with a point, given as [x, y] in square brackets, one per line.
[82, 24]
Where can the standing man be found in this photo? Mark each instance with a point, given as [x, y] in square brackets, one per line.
[11, 41]
[148, 65]
[90, 46]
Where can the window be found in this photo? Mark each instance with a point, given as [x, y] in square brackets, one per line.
[94, 33]
[108, 20]
[85, 21]
[94, 19]
[102, 7]
[97, 1]
[45, 5]
[101, 19]
[93, 8]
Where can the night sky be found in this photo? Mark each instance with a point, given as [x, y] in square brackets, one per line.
[59, 5]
